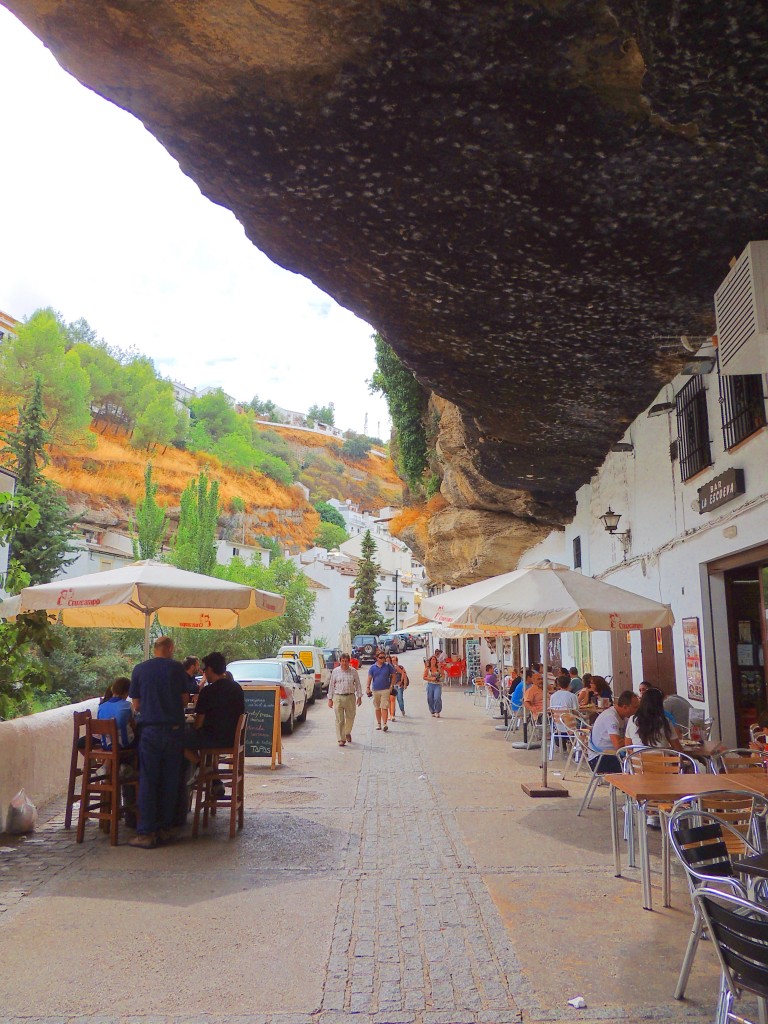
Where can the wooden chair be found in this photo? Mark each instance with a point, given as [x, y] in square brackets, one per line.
[80, 719]
[740, 759]
[227, 765]
[100, 796]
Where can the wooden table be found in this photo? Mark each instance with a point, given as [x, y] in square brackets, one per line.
[666, 789]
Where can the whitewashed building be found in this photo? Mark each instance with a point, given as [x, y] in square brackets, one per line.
[689, 480]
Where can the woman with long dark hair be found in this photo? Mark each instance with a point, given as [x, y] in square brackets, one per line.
[433, 677]
[649, 726]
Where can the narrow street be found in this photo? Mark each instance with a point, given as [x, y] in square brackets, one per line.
[403, 880]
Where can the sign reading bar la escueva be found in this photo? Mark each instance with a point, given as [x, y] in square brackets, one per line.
[721, 490]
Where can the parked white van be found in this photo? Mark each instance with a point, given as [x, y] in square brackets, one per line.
[314, 659]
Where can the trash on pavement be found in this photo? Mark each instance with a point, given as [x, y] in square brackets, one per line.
[579, 1002]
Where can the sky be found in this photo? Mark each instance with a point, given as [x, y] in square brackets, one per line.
[98, 221]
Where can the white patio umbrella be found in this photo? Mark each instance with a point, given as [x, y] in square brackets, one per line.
[543, 597]
[129, 597]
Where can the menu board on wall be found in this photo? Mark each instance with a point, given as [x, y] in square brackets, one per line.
[692, 648]
[472, 653]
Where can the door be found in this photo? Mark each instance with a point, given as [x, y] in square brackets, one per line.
[659, 659]
[621, 662]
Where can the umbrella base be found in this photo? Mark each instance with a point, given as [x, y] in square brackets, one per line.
[522, 745]
[535, 791]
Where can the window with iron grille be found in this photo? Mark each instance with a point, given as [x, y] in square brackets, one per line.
[693, 427]
[742, 407]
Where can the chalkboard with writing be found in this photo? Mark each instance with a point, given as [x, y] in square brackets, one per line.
[262, 737]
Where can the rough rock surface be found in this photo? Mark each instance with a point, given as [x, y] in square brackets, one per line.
[531, 201]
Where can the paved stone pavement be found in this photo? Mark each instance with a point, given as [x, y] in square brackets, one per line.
[403, 880]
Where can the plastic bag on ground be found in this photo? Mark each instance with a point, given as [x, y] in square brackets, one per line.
[22, 815]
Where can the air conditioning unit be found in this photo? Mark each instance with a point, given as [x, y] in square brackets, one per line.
[741, 309]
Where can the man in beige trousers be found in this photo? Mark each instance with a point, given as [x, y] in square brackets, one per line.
[345, 694]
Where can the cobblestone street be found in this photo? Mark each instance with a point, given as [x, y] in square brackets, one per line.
[403, 880]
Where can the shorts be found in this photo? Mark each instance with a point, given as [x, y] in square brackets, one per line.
[381, 698]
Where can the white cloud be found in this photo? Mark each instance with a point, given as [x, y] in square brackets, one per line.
[100, 222]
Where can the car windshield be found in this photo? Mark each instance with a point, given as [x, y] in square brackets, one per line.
[244, 671]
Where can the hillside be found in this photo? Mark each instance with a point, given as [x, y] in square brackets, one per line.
[105, 481]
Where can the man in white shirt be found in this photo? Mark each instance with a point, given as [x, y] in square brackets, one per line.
[562, 698]
[608, 732]
[345, 691]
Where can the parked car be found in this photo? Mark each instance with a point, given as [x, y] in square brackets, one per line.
[391, 643]
[306, 677]
[364, 647]
[276, 672]
[409, 640]
[314, 659]
[332, 657]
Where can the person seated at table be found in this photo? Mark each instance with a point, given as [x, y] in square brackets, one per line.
[608, 733]
[601, 688]
[492, 681]
[534, 696]
[516, 695]
[586, 694]
[563, 699]
[115, 704]
[576, 682]
[649, 726]
[680, 710]
[217, 711]
[191, 666]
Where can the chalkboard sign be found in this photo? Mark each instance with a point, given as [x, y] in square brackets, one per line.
[262, 737]
[472, 654]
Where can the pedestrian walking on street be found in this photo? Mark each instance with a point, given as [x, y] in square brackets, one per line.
[380, 679]
[433, 675]
[345, 695]
[401, 685]
[391, 660]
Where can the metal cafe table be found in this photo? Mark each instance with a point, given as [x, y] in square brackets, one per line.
[666, 789]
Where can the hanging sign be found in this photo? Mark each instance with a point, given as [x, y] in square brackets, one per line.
[721, 490]
[692, 649]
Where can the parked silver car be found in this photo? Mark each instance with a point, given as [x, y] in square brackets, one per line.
[294, 699]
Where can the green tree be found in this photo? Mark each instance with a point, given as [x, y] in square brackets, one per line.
[322, 414]
[329, 535]
[356, 447]
[149, 524]
[158, 423]
[275, 468]
[215, 412]
[364, 616]
[235, 452]
[329, 514]
[42, 547]
[407, 402]
[24, 676]
[193, 546]
[39, 350]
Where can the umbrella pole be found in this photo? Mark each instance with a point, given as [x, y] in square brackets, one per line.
[545, 705]
[147, 622]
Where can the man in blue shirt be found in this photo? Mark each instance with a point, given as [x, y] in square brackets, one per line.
[381, 676]
[159, 691]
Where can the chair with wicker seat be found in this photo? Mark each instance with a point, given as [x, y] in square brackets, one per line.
[75, 771]
[227, 765]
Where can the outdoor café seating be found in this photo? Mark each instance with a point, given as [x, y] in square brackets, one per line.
[101, 783]
[739, 759]
[226, 766]
[739, 932]
[705, 844]
[74, 795]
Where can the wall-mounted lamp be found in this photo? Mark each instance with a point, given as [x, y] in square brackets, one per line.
[610, 521]
[661, 408]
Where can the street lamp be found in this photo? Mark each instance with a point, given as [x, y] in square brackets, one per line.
[397, 577]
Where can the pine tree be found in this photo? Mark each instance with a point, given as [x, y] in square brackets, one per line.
[194, 544]
[148, 527]
[43, 548]
[364, 616]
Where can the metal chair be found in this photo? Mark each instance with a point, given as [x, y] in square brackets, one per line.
[704, 844]
[579, 752]
[739, 932]
[597, 772]
[739, 759]
[562, 725]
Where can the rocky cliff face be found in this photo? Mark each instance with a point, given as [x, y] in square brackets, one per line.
[531, 201]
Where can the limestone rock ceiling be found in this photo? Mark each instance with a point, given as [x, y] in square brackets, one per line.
[531, 200]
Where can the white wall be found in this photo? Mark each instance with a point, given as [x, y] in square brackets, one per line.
[35, 753]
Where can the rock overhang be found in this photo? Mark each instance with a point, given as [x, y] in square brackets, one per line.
[531, 201]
